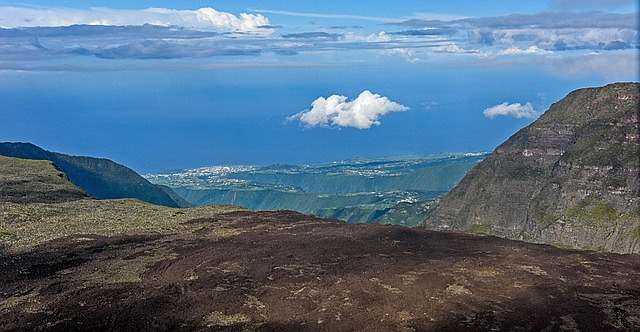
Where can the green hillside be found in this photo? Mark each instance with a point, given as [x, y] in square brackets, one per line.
[99, 178]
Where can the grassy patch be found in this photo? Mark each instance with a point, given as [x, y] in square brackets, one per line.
[599, 215]
[480, 228]
[6, 234]
[6, 239]
[219, 319]
[37, 223]
[458, 290]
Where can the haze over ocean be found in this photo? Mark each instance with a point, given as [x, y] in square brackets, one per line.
[198, 83]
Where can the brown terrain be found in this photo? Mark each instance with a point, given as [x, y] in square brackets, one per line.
[285, 271]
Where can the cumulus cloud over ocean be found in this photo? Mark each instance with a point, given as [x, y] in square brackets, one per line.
[335, 111]
[516, 110]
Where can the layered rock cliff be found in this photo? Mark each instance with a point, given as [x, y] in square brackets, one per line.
[571, 178]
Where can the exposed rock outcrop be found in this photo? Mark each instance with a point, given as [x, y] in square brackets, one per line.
[571, 178]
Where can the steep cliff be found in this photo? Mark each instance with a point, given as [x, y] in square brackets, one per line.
[570, 178]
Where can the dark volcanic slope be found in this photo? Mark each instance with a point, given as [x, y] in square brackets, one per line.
[290, 272]
[571, 178]
[100, 178]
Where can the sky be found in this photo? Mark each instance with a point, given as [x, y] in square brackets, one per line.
[158, 85]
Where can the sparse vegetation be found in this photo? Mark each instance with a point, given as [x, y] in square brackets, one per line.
[636, 233]
[219, 319]
[41, 222]
[601, 215]
[480, 228]
[6, 238]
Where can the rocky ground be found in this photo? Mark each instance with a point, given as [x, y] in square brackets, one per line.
[285, 271]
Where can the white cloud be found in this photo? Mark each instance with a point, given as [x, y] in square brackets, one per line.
[612, 65]
[451, 47]
[335, 111]
[203, 18]
[328, 16]
[531, 50]
[516, 110]
[372, 38]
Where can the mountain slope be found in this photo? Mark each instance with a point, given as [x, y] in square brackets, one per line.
[100, 178]
[35, 181]
[570, 178]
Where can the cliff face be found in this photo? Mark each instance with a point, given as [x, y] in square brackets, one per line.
[571, 178]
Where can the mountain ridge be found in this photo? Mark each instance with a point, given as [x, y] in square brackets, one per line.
[99, 177]
[570, 178]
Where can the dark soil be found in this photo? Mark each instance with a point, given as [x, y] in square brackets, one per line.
[285, 271]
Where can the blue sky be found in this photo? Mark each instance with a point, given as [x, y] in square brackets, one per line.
[198, 83]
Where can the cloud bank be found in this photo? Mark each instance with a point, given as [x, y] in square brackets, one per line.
[516, 110]
[565, 43]
[591, 4]
[203, 18]
[335, 111]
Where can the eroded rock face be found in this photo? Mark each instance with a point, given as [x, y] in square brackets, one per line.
[570, 178]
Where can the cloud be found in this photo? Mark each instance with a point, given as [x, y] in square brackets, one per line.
[515, 110]
[203, 18]
[123, 42]
[613, 65]
[426, 32]
[160, 49]
[328, 16]
[69, 36]
[451, 47]
[591, 4]
[372, 38]
[335, 111]
[557, 31]
[314, 35]
[553, 20]
[531, 50]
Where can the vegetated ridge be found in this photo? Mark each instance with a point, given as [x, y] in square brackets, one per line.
[571, 178]
[35, 181]
[76, 263]
[99, 178]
